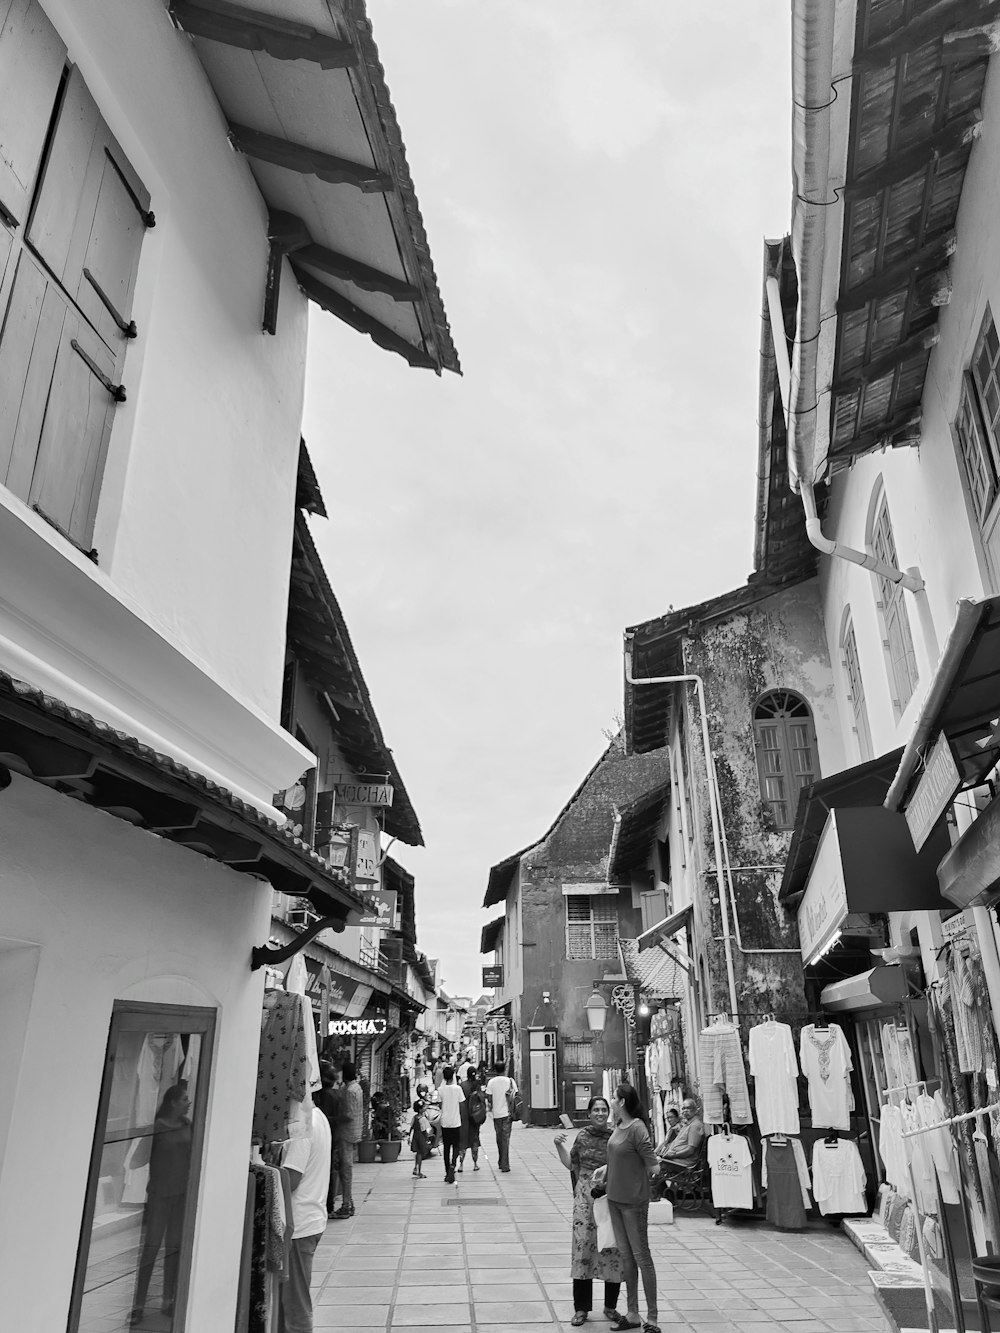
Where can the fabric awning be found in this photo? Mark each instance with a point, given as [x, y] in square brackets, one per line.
[665, 929]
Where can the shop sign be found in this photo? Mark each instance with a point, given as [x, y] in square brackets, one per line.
[493, 976]
[381, 910]
[394, 1015]
[365, 793]
[358, 1027]
[823, 908]
[368, 857]
[342, 990]
[935, 791]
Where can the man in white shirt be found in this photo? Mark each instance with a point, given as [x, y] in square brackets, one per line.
[308, 1163]
[451, 1097]
[496, 1098]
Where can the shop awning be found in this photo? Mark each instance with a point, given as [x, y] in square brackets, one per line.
[878, 986]
[665, 929]
[865, 862]
[865, 784]
[659, 973]
[956, 737]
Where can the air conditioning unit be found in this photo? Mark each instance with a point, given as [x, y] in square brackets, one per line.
[301, 916]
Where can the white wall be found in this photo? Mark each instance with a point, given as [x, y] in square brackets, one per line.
[117, 913]
[194, 524]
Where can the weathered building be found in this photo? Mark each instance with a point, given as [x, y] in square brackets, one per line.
[559, 936]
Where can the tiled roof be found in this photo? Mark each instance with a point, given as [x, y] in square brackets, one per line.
[658, 975]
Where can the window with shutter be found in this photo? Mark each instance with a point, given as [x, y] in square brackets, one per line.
[592, 926]
[856, 689]
[901, 658]
[786, 752]
[73, 214]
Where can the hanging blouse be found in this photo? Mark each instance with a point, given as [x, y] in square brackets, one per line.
[774, 1069]
[826, 1063]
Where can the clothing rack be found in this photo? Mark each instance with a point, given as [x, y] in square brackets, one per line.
[952, 1120]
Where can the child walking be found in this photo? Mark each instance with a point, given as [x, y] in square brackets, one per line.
[420, 1138]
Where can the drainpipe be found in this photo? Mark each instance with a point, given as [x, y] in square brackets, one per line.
[713, 810]
[911, 581]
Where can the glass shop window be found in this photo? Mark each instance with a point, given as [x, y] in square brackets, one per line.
[786, 752]
[134, 1258]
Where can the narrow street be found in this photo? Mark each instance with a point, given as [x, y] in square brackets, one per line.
[491, 1254]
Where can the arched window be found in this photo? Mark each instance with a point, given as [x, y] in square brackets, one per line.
[901, 660]
[786, 752]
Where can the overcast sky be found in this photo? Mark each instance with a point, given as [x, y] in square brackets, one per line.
[596, 182]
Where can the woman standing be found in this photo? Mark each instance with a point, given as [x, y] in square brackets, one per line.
[169, 1159]
[632, 1163]
[588, 1153]
[473, 1115]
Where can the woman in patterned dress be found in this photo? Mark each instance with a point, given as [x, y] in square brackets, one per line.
[589, 1151]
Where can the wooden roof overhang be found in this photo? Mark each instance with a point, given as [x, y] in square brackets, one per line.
[305, 98]
[318, 639]
[48, 741]
[636, 833]
[490, 934]
[918, 74]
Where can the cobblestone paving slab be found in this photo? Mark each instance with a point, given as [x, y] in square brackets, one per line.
[499, 1261]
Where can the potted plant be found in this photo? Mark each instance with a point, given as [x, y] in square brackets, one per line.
[386, 1126]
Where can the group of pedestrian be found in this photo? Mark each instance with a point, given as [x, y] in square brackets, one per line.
[459, 1108]
[613, 1155]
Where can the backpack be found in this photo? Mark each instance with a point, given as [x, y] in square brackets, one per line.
[515, 1102]
[477, 1107]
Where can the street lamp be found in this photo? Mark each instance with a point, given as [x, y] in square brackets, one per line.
[597, 1012]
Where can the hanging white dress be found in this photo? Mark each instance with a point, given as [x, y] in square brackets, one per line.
[774, 1069]
[838, 1177]
[826, 1062]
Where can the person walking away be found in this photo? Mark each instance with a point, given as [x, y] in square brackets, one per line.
[420, 1139]
[348, 1134]
[631, 1165]
[332, 1102]
[169, 1161]
[496, 1095]
[452, 1097]
[307, 1161]
[473, 1116]
[588, 1153]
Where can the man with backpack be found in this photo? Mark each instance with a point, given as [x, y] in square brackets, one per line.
[502, 1095]
[473, 1115]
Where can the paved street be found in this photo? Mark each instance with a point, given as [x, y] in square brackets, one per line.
[492, 1254]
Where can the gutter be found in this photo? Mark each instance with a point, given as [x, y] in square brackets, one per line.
[967, 620]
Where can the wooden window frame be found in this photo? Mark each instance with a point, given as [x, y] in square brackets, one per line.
[794, 780]
[135, 1016]
[855, 686]
[894, 617]
[593, 923]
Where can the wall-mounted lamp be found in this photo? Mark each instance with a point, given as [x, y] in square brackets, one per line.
[643, 1009]
[597, 1012]
[546, 997]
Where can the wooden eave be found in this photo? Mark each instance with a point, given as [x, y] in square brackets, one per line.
[317, 637]
[48, 741]
[918, 81]
[305, 100]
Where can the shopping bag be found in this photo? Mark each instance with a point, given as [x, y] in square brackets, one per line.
[605, 1231]
[661, 1213]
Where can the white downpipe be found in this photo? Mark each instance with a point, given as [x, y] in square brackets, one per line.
[912, 582]
[713, 810]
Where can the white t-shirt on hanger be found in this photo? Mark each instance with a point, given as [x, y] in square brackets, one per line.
[729, 1158]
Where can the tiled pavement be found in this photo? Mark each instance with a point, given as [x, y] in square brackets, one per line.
[491, 1255]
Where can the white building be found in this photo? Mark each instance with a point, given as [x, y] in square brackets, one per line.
[151, 389]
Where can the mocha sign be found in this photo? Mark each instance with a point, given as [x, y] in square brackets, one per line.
[358, 1027]
[364, 793]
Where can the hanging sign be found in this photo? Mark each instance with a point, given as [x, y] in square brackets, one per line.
[381, 910]
[492, 976]
[935, 791]
[367, 868]
[823, 908]
[341, 990]
[365, 793]
[358, 1027]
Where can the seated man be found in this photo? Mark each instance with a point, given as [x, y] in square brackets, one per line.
[685, 1149]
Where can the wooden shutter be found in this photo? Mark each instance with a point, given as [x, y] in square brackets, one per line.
[32, 58]
[91, 215]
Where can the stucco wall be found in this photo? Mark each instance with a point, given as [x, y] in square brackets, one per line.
[194, 521]
[113, 913]
[778, 643]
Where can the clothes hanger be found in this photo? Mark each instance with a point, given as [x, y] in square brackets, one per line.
[778, 1138]
[832, 1139]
